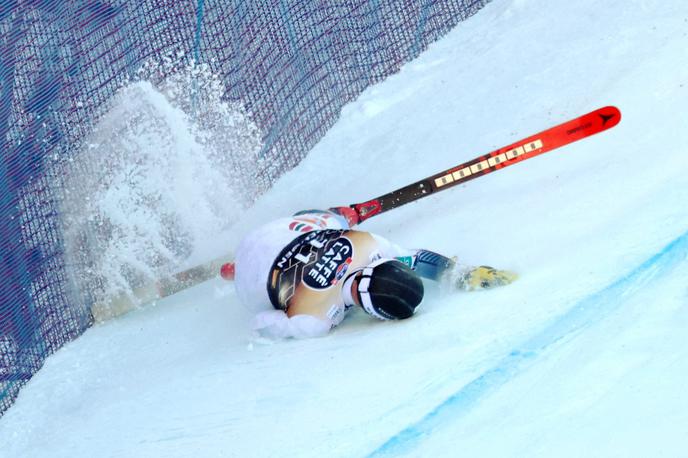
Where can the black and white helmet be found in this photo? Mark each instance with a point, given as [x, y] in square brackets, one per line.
[387, 289]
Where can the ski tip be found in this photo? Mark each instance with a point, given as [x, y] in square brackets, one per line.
[609, 115]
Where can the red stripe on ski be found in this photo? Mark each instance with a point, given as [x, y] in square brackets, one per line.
[555, 137]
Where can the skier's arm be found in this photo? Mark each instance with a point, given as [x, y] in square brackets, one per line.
[440, 268]
[425, 263]
[431, 265]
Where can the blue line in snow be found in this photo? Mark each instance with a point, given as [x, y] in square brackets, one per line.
[582, 315]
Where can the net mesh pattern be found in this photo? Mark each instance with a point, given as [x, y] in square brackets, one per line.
[293, 64]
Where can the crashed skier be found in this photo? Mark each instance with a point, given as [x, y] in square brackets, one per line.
[313, 268]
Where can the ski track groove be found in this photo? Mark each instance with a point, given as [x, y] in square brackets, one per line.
[582, 315]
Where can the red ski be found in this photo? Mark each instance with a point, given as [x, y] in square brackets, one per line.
[543, 142]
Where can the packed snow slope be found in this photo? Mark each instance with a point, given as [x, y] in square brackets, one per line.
[585, 355]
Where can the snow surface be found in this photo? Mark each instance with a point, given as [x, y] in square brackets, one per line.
[585, 355]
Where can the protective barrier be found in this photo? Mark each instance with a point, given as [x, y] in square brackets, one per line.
[292, 64]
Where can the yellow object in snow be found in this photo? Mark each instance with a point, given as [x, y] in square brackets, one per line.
[485, 277]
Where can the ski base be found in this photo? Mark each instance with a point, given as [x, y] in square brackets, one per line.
[571, 131]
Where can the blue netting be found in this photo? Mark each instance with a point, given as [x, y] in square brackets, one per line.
[293, 64]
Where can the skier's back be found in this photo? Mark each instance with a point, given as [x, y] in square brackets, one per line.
[313, 268]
